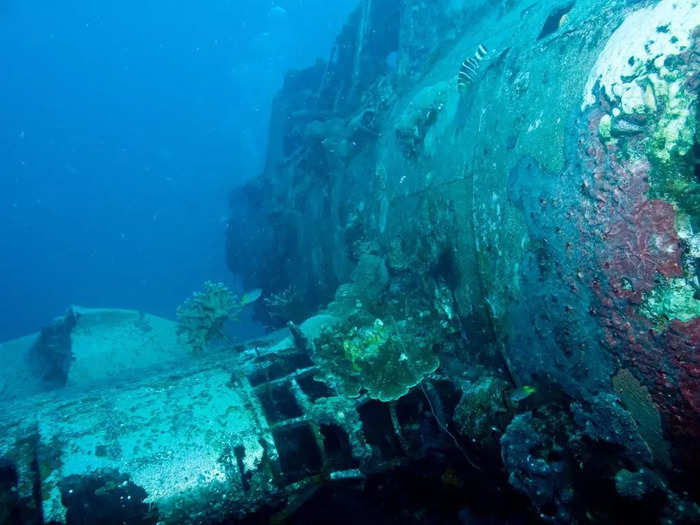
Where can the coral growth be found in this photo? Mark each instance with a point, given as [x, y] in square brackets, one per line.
[641, 280]
[604, 420]
[637, 400]
[559, 455]
[385, 359]
[614, 239]
[283, 307]
[201, 318]
[482, 410]
[541, 478]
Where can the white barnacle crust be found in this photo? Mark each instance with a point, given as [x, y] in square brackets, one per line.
[641, 71]
[648, 34]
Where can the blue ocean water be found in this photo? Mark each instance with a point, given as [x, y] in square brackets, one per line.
[124, 126]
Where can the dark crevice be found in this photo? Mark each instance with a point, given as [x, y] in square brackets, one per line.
[299, 455]
[312, 388]
[279, 403]
[338, 449]
[554, 20]
[378, 429]
[447, 268]
[107, 497]
[239, 452]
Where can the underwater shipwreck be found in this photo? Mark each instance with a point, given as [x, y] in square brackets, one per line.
[477, 236]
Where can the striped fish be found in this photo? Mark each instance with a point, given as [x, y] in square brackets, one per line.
[469, 68]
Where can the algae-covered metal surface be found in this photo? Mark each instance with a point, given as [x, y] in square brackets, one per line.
[166, 435]
[497, 278]
[545, 211]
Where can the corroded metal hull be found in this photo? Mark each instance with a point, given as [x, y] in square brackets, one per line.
[508, 273]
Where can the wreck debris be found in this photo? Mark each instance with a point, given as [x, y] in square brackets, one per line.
[514, 279]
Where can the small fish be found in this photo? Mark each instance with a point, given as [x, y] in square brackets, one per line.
[562, 20]
[251, 296]
[470, 67]
[522, 393]
[277, 12]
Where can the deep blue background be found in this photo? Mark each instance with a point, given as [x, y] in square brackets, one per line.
[123, 125]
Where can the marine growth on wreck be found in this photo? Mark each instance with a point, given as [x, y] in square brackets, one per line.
[475, 249]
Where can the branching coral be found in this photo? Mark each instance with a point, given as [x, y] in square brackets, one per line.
[201, 318]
